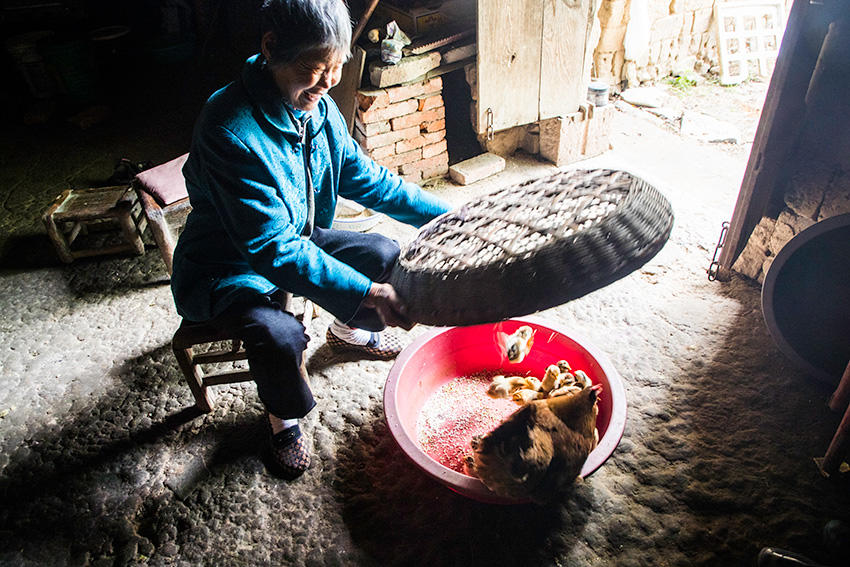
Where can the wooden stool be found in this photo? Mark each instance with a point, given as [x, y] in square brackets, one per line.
[163, 194]
[191, 335]
[76, 210]
[838, 448]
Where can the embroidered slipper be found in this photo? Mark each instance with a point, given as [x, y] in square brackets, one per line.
[385, 345]
[289, 452]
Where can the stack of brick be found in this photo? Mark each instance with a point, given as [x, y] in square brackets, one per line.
[404, 128]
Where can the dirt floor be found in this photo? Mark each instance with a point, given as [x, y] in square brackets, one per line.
[103, 461]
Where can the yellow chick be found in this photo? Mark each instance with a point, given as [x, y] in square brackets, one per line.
[517, 382]
[532, 383]
[567, 379]
[499, 387]
[550, 378]
[524, 396]
[582, 379]
[505, 386]
[518, 344]
[563, 366]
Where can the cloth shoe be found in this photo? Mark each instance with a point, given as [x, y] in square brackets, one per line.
[289, 452]
[383, 345]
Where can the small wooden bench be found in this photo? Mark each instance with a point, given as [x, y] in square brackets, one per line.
[75, 211]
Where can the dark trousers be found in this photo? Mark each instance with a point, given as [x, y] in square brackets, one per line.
[275, 340]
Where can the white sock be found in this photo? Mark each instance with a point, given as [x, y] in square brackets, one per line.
[279, 424]
[351, 335]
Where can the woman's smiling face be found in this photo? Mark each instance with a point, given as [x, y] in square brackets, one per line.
[304, 81]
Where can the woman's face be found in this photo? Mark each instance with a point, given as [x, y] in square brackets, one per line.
[305, 80]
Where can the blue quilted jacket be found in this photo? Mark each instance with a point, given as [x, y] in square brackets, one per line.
[246, 180]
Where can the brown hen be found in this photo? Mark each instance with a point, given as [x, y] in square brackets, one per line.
[538, 451]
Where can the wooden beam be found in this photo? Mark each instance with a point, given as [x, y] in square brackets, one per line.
[781, 121]
[345, 92]
[364, 19]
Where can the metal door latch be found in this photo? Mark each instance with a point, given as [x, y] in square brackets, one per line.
[489, 124]
[715, 263]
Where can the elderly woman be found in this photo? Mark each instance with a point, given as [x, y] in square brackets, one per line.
[270, 156]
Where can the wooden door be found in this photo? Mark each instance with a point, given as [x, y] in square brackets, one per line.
[509, 59]
[564, 72]
[532, 60]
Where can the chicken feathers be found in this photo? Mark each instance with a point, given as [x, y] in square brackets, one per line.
[539, 450]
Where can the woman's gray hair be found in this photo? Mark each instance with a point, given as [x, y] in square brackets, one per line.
[304, 25]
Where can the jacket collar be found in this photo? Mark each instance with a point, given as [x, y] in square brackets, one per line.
[266, 97]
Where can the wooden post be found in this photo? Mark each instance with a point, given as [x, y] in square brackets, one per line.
[364, 19]
[128, 227]
[63, 249]
[841, 397]
[838, 447]
[159, 228]
[344, 93]
[194, 377]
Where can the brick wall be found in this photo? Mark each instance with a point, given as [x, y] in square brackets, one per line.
[404, 128]
[817, 192]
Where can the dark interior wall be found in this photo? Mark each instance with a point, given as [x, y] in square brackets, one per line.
[109, 52]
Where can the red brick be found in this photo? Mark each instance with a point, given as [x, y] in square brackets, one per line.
[373, 128]
[433, 165]
[434, 126]
[434, 85]
[410, 144]
[387, 112]
[371, 142]
[414, 177]
[418, 141]
[404, 92]
[429, 102]
[433, 149]
[434, 137]
[376, 98]
[401, 159]
[382, 152]
[440, 169]
[417, 118]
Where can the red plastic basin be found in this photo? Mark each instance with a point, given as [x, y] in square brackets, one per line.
[444, 354]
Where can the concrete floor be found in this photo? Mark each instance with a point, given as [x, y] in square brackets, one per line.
[104, 462]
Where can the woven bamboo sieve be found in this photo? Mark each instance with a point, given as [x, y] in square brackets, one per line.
[531, 247]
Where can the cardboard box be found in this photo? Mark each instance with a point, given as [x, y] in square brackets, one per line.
[414, 20]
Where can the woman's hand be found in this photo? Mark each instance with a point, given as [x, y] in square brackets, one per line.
[383, 298]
